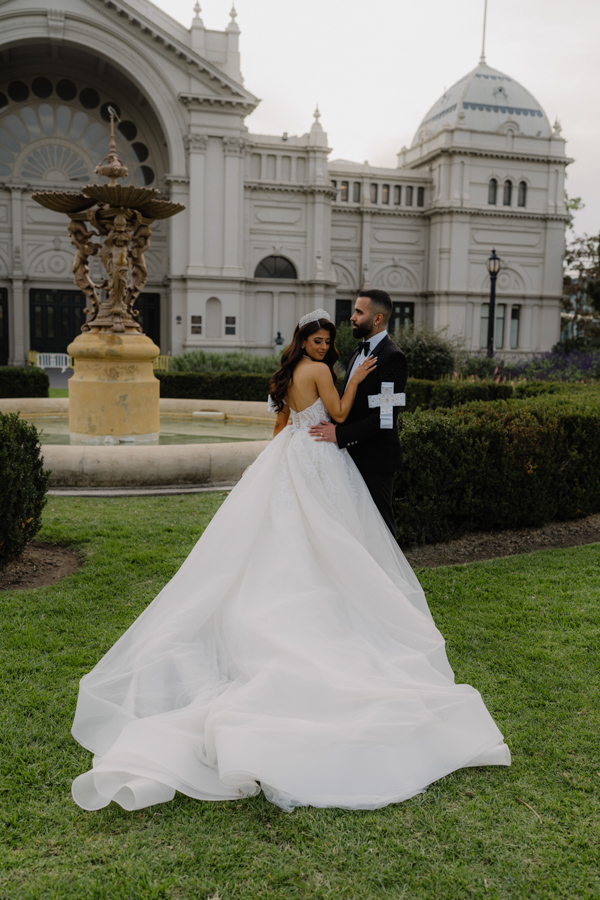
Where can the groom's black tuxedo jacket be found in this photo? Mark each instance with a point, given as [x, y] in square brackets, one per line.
[374, 449]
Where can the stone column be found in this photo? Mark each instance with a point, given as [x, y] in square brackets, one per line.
[365, 250]
[179, 247]
[234, 149]
[19, 312]
[196, 145]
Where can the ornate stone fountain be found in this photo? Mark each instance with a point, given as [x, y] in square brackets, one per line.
[113, 393]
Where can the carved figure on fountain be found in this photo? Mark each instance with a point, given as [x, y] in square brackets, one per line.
[85, 247]
[139, 269]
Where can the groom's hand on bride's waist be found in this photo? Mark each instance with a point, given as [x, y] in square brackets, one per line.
[324, 431]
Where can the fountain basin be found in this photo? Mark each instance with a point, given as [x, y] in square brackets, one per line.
[98, 466]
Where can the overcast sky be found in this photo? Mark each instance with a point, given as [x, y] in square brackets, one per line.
[376, 66]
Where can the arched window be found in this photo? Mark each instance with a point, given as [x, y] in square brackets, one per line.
[493, 192]
[409, 195]
[213, 318]
[356, 196]
[420, 196]
[522, 197]
[344, 192]
[275, 267]
[507, 198]
[56, 133]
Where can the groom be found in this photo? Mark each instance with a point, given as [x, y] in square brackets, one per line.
[375, 449]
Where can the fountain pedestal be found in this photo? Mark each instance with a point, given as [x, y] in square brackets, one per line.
[113, 393]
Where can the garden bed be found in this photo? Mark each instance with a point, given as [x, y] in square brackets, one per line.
[40, 564]
[485, 545]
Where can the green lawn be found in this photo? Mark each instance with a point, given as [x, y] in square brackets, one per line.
[58, 392]
[524, 630]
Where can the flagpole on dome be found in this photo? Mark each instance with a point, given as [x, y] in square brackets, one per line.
[482, 59]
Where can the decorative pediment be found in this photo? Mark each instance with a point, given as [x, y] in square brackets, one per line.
[171, 38]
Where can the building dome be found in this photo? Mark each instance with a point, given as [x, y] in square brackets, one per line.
[486, 100]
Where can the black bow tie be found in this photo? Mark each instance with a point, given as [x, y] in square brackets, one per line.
[364, 347]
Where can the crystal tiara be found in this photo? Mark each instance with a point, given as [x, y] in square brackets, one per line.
[314, 317]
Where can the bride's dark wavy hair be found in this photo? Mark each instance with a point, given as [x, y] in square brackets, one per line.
[293, 354]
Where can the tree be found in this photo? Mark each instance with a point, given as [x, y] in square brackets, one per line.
[581, 286]
[573, 204]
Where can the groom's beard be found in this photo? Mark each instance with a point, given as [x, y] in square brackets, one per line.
[362, 331]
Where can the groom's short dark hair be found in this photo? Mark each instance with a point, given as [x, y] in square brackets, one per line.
[380, 301]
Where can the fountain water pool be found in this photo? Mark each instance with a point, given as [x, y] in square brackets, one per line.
[197, 428]
[204, 442]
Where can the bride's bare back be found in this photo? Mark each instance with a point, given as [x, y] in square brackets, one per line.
[312, 380]
[303, 390]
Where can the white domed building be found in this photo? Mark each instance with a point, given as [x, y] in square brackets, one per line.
[272, 228]
[485, 171]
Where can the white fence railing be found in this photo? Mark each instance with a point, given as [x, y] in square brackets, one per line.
[60, 361]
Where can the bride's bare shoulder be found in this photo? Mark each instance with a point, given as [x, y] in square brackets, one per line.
[306, 368]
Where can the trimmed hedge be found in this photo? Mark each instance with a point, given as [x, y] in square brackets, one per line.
[23, 381]
[489, 466]
[224, 386]
[422, 394]
[250, 386]
[23, 484]
[525, 389]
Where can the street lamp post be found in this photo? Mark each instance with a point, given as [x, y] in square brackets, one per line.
[493, 266]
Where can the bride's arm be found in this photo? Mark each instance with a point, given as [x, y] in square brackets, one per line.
[281, 420]
[339, 407]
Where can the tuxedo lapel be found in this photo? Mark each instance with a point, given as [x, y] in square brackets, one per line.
[381, 346]
[351, 362]
[367, 384]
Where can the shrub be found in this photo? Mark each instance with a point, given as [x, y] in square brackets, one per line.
[425, 394]
[559, 365]
[576, 343]
[207, 386]
[235, 361]
[488, 466]
[23, 381]
[23, 484]
[429, 355]
[227, 386]
[526, 389]
[483, 367]
[345, 343]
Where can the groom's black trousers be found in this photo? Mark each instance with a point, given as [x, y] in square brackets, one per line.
[381, 488]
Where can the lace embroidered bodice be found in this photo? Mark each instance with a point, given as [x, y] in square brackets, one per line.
[312, 415]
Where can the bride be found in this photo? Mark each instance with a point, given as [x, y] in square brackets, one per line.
[294, 651]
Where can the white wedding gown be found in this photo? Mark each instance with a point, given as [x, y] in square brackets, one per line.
[293, 652]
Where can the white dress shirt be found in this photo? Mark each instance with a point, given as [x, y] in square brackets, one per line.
[373, 342]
